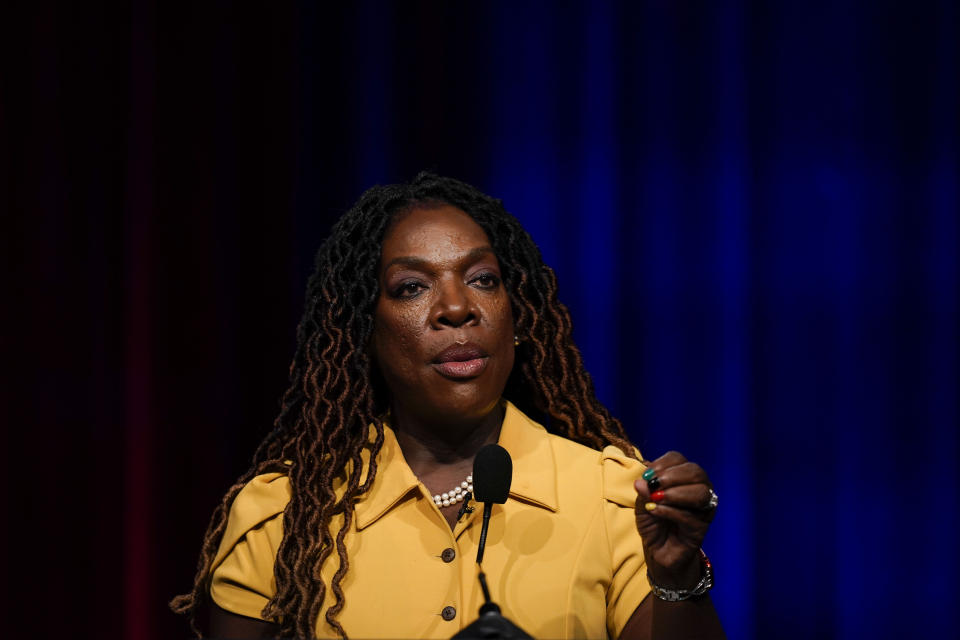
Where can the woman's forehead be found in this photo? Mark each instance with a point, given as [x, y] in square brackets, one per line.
[432, 230]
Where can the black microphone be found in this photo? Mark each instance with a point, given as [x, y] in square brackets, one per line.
[492, 473]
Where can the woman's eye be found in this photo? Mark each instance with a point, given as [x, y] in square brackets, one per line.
[487, 280]
[408, 290]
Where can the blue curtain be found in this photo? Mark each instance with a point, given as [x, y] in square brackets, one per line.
[752, 211]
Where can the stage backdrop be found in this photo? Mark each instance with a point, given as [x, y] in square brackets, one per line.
[751, 208]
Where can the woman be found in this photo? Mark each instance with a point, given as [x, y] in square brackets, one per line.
[432, 328]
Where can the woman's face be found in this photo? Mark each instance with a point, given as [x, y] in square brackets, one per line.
[443, 327]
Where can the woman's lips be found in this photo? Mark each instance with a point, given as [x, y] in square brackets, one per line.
[459, 361]
[461, 368]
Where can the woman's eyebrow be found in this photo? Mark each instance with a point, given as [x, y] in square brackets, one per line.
[413, 261]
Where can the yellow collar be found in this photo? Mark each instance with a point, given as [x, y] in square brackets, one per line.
[534, 468]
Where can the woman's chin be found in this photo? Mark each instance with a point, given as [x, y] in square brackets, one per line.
[459, 405]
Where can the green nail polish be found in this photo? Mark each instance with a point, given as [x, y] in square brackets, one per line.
[649, 473]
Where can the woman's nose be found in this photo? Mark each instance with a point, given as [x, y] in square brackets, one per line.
[454, 306]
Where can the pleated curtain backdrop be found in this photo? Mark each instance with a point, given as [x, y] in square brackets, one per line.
[751, 208]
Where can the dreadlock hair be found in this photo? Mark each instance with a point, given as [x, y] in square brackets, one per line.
[334, 396]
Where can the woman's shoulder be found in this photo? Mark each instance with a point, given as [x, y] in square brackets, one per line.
[242, 576]
[264, 496]
[613, 472]
[261, 501]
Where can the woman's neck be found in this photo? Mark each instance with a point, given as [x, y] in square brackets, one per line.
[431, 443]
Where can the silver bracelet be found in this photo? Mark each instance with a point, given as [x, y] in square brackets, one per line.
[676, 595]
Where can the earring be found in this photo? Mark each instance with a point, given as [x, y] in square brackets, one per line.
[516, 341]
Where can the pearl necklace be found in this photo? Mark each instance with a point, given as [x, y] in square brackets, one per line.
[457, 494]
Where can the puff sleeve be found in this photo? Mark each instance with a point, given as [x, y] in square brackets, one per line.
[628, 586]
[242, 574]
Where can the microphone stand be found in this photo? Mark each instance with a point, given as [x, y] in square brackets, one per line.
[491, 624]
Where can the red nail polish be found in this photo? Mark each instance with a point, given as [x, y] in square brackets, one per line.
[657, 496]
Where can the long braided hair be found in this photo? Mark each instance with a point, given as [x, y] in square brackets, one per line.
[333, 396]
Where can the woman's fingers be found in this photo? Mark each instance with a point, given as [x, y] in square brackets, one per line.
[672, 481]
[695, 497]
[669, 459]
[691, 524]
[658, 477]
[692, 497]
[680, 474]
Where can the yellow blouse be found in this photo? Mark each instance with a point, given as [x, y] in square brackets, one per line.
[563, 556]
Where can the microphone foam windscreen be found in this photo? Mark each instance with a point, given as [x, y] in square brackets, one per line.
[492, 473]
